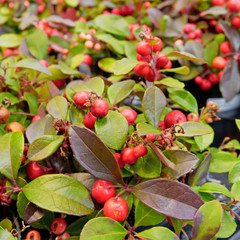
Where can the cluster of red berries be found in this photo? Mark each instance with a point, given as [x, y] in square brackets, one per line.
[149, 69]
[58, 227]
[125, 10]
[91, 42]
[205, 83]
[11, 52]
[104, 192]
[192, 32]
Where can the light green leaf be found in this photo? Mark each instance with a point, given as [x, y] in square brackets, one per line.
[235, 190]
[145, 128]
[211, 51]
[170, 82]
[10, 40]
[4, 234]
[238, 123]
[124, 66]
[184, 55]
[107, 64]
[180, 70]
[56, 74]
[234, 173]
[67, 70]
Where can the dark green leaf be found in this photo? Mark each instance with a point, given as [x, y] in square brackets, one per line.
[185, 55]
[112, 129]
[59, 193]
[210, 52]
[145, 128]
[32, 102]
[44, 147]
[169, 197]
[93, 155]
[124, 66]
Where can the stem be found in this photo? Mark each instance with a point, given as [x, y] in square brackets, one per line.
[23, 113]
[185, 234]
[16, 224]
[99, 212]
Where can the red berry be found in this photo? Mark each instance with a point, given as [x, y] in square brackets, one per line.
[121, 164]
[65, 51]
[213, 78]
[198, 80]
[142, 69]
[166, 139]
[161, 60]
[218, 2]
[33, 235]
[143, 48]
[100, 108]
[141, 58]
[48, 30]
[157, 46]
[58, 226]
[127, 10]
[225, 47]
[7, 52]
[219, 62]
[116, 11]
[44, 62]
[219, 29]
[81, 98]
[236, 22]
[102, 191]
[25, 150]
[174, 117]
[35, 118]
[188, 28]
[233, 5]
[193, 117]
[82, 19]
[151, 137]
[162, 125]
[168, 65]
[128, 156]
[87, 59]
[147, 5]
[97, 47]
[4, 115]
[151, 76]
[89, 120]
[140, 150]
[89, 44]
[129, 114]
[23, 159]
[116, 208]
[192, 35]
[59, 83]
[63, 236]
[198, 32]
[212, 22]
[199, 40]
[34, 170]
[205, 85]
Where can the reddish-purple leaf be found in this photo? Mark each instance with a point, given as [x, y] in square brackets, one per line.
[93, 155]
[33, 213]
[169, 197]
[199, 176]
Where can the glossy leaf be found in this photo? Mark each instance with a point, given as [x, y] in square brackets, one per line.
[170, 82]
[180, 70]
[44, 147]
[107, 64]
[39, 48]
[145, 216]
[153, 104]
[41, 127]
[117, 92]
[199, 176]
[112, 129]
[185, 99]
[124, 66]
[234, 173]
[184, 55]
[184, 161]
[211, 51]
[113, 24]
[169, 197]
[93, 155]
[212, 187]
[192, 129]
[9, 40]
[157, 233]
[11, 151]
[6, 235]
[145, 128]
[103, 228]
[59, 193]
[58, 108]
[235, 190]
[207, 222]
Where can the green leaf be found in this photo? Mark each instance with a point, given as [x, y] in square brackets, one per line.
[228, 226]
[113, 24]
[145, 216]
[76, 115]
[235, 190]
[180, 70]
[44, 147]
[215, 10]
[153, 104]
[4, 234]
[32, 102]
[117, 92]
[112, 129]
[194, 71]
[102, 228]
[107, 64]
[206, 221]
[145, 128]
[9, 96]
[234, 173]
[6, 224]
[170, 82]
[32, 64]
[210, 52]
[59, 193]
[148, 166]
[76, 60]
[184, 55]
[192, 129]
[124, 66]
[9, 40]
[67, 70]
[238, 123]
[72, 3]
[56, 74]
[212, 187]
[157, 233]
[222, 162]
[37, 43]
[185, 99]
[57, 107]
[11, 151]
[130, 49]
[81, 26]
[58, 41]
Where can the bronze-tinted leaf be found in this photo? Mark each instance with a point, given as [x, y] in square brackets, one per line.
[33, 213]
[93, 155]
[169, 197]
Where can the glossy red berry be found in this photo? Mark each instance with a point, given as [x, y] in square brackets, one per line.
[121, 164]
[34, 170]
[143, 48]
[205, 85]
[188, 28]
[100, 108]
[174, 117]
[141, 58]
[218, 2]
[151, 75]
[219, 29]
[236, 22]
[192, 35]
[157, 46]
[142, 69]
[198, 80]
[219, 62]
[59, 83]
[58, 226]
[151, 137]
[140, 150]
[23, 159]
[116, 11]
[162, 125]
[225, 47]
[233, 5]
[35, 118]
[103, 190]
[168, 65]
[89, 120]
[63, 236]
[128, 156]
[116, 208]
[161, 60]
[192, 117]
[81, 98]
[33, 235]
[147, 5]
[129, 114]
[87, 59]
[44, 62]
[213, 78]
